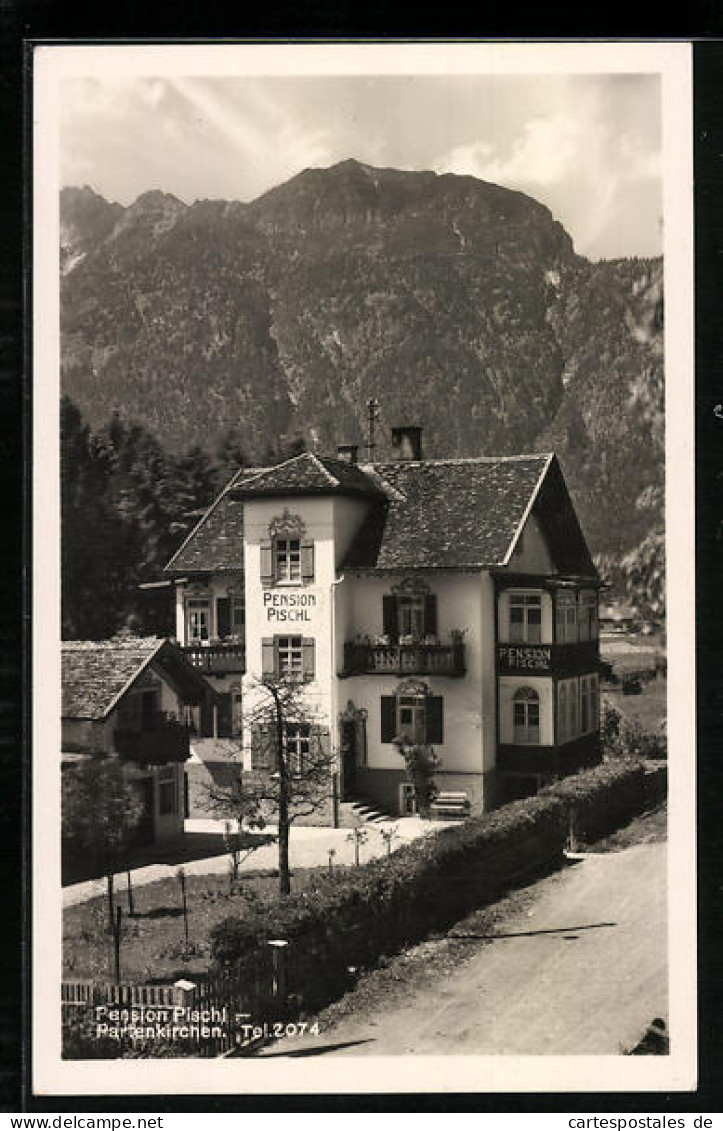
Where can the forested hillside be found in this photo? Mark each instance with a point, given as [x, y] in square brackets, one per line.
[461, 306]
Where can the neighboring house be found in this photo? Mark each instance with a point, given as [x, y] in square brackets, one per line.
[618, 619]
[139, 700]
[454, 601]
[212, 773]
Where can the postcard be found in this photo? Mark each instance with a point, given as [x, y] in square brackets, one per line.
[363, 685]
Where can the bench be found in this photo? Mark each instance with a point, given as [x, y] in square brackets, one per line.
[450, 807]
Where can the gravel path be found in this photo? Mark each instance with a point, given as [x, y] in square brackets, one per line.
[582, 970]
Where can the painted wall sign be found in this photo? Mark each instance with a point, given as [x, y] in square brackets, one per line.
[525, 656]
[289, 607]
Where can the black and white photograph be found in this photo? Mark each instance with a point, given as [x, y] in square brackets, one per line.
[363, 391]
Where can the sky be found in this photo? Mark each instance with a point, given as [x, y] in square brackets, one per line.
[587, 146]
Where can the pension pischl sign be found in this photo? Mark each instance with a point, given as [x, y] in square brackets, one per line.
[289, 608]
[525, 657]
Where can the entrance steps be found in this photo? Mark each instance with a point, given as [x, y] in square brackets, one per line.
[356, 812]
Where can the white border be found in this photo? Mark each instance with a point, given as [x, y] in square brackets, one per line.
[51, 1076]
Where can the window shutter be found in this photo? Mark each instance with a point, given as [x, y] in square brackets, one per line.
[259, 759]
[307, 561]
[307, 662]
[268, 656]
[430, 614]
[321, 740]
[390, 616]
[435, 717]
[223, 616]
[389, 718]
[267, 564]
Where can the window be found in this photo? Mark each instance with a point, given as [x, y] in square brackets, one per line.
[525, 618]
[230, 617]
[292, 657]
[411, 612]
[526, 717]
[167, 792]
[238, 616]
[296, 742]
[566, 631]
[589, 707]
[287, 556]
[198, 620]
[412, 717]
[415, 714]
[287, 560]
[588, 616]
[568, 697]
[306, 748]
[411, 616]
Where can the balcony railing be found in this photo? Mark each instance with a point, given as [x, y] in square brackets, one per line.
[218, 659]
[162, 740]
[558, 659]
[404, 659]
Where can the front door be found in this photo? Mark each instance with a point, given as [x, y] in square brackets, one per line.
[348, 760]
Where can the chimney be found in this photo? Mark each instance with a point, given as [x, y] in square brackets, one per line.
[407, 443]
[348, 452]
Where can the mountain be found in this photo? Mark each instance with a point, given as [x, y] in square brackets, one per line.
[461, 306]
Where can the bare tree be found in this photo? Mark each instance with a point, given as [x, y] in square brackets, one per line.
[292, 765]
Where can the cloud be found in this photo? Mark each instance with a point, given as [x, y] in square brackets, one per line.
[266, 137]
[573, 161]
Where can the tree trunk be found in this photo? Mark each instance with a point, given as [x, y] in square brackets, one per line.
[284, 870]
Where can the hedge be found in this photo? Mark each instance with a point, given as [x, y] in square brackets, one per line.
[354, 916]
[600, 800]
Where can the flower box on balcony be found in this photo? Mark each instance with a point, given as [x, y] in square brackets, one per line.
[403, 659]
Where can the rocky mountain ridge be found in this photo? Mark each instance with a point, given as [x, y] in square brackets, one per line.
[461, 306]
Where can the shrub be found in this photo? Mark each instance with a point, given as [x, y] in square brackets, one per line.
[602, 799]
[421, 764]
[622, 737]
[353, 916]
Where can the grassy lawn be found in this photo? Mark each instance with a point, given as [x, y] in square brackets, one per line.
[152, 947]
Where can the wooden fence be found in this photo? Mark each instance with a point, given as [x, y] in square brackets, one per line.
[214, 1017]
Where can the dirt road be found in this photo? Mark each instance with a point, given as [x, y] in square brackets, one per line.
[582, 970]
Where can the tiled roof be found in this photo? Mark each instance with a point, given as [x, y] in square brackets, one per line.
[94, 673]
[457, 513]
[447, 513]
[309, 474]
[216, 541]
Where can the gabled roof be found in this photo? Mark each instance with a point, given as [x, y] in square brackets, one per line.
[427, 514]
[97, 673]
[216, 541]
[308, 474]
[458, 513]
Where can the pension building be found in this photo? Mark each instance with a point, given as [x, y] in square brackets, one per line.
[450, 601]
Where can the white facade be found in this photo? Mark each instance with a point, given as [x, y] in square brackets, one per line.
[466, 659]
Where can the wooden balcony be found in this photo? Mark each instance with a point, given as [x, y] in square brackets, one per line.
[548, 659]
[164, 740]
[403, 659]
[217, 659]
